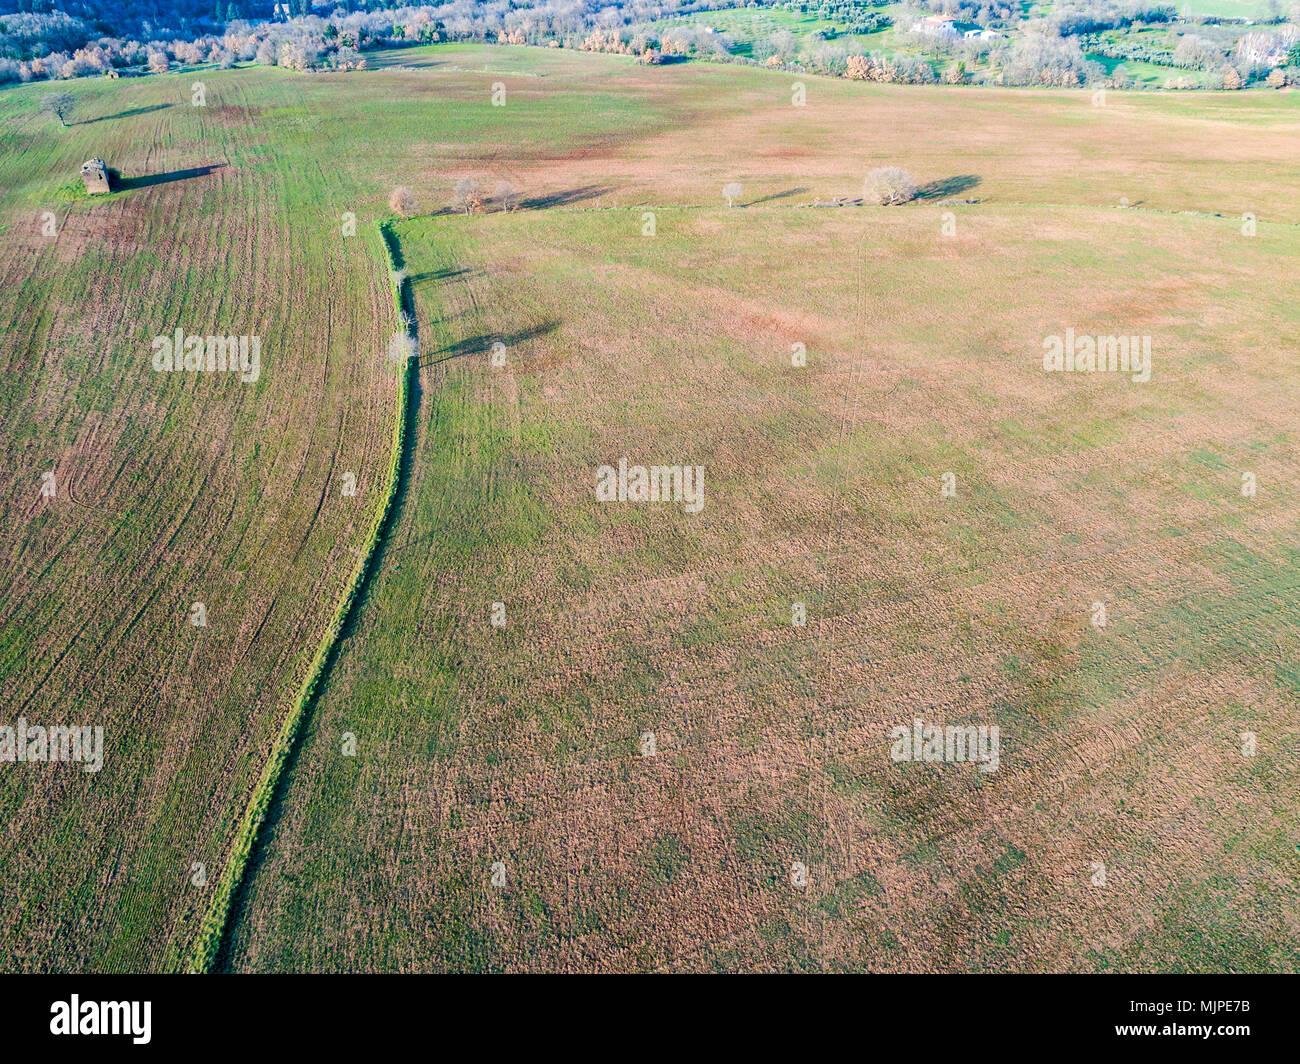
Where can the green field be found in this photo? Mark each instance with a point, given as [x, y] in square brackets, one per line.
[747, 24]
[1247, 9]
[445, 751]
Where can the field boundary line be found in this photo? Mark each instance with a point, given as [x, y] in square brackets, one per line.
[212, 930]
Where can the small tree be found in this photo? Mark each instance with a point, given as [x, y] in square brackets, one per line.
[59, 104]
[505, 196]
[1232, 78]
[1276, 79]
[402, 201]
[467, 197]
[888, 186]
[158, 62]
[731, 192]
[402, 347]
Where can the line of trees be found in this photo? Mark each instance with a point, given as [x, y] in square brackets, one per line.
[1091, 16]
[59, 44]
[35, 45]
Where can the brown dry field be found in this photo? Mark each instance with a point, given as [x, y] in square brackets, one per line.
[1120, 745]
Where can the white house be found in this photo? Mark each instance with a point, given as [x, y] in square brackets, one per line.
[936, 26]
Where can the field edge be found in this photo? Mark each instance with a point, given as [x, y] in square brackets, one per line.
[212, 931]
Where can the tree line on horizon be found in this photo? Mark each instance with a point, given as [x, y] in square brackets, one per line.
[57, 44]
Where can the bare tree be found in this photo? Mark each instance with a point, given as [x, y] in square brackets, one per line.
[402, 201]
[1197, 53]
[731, 192]
[505, 196]
[61, 104]
[888, 186]
[467, 197]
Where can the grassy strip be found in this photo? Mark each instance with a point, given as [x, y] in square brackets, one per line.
[208, 943]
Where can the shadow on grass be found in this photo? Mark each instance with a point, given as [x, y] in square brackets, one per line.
[563, 199]
[440, 275]
[483, 342]
[124, 114]
[947, 188]
[774, 196]
[123, 184]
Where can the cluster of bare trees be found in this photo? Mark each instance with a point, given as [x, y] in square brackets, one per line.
[303, 44]
[776, 48]
[467, 198]
[1198, 53]
[60, 46]
[1090, 16]
[901, 70]
[981, 12]
[97, 58]
[683, 40]
[1044, 59]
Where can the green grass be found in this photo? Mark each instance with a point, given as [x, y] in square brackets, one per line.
[1248, 9]
[746, 25]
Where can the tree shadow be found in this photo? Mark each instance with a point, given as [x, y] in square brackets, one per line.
[163, 179]
[482, 343]
[124, 114]
[563, 199]
[440, 275]
[947, 187]
[774, 196]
